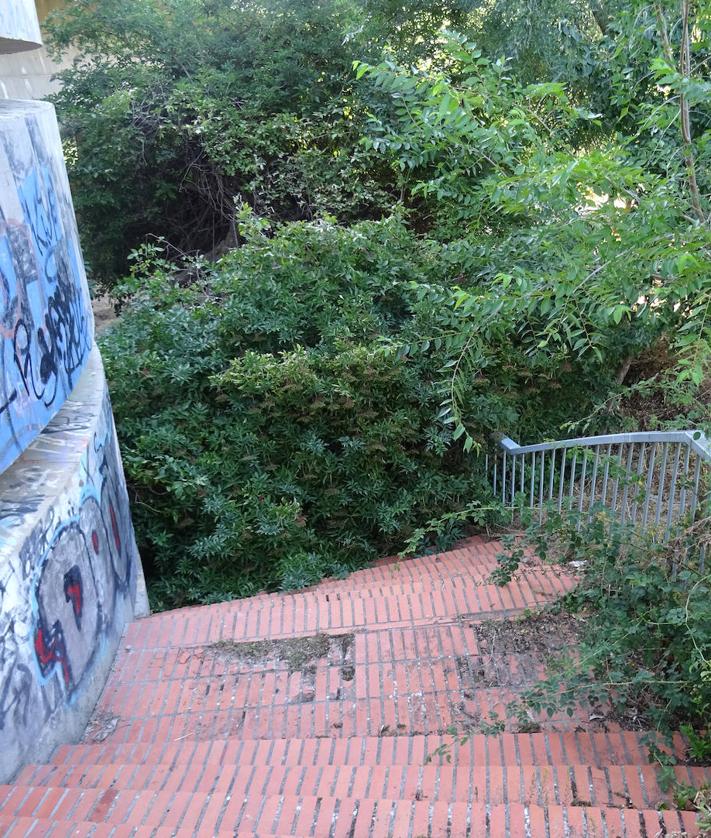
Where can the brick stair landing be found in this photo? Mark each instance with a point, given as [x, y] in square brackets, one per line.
[330, 713]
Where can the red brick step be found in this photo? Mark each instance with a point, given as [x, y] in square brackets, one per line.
[309, 613]
[568, 785]
[207, 741]
[339, 817]
[36, 827]
[549, 748]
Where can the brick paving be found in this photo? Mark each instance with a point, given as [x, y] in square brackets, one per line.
[354, 708]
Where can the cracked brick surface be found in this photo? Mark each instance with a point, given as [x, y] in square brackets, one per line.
[354, 708]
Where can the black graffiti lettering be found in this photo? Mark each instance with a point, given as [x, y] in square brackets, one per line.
[42, 215]
[60, 346]
[16, 683]
[46, 313]
[10, 399]
[66, 325]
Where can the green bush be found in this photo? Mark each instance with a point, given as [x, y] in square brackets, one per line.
[177, 109]
[269, 436]
[280, 414]
[645, 651]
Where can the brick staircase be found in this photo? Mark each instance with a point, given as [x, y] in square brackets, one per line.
[329, 712]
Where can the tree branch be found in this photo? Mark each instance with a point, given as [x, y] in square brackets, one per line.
[685, 70]
[600, 15]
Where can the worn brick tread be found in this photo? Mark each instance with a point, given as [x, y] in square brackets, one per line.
[442, 639]
[393, 586]
[476, 559]
[36, 827]
[300, 614]
[438, 568]
[245, 812]
[548, 748]
[430, 713]
[427, 570]
[573, 784]
[471, 557]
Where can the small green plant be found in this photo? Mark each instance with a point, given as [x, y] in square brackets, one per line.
[509, 560]
[441, 533]
[645, 652]
[684, 795]
[492, 727]
[699, 744]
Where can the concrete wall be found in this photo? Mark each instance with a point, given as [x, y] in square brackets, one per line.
[19, 26]
[29, 75]
[47, 325]
[69, 575]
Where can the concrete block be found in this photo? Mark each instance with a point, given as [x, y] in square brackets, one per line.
[70, 575]
[19, 26]
[47, 326]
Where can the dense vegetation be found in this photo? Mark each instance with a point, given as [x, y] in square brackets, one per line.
[643, 655]
[360, 238]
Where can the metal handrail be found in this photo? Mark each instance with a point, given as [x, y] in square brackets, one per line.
[696, 439]
[651, 480]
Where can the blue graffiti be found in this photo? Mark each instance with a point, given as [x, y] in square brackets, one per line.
[46, 329]
[39, 206]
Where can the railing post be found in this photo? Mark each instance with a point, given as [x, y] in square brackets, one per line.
[594, 481]
[648, 487]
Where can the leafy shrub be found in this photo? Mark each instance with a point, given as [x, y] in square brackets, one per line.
[177, 109]
[580, 251]
[269, 436]
[291, 412]
[318, 396]
[645, 653]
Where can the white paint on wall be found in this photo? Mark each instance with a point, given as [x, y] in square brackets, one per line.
[31, 75]
[19, 26]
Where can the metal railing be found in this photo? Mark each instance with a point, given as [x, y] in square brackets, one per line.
[651, 480]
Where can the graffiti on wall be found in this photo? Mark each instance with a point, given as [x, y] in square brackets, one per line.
[67, 592]
[45, 316]
[18, 22]
[86, 567]
[69, 569]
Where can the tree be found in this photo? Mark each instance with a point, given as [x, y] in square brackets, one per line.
[177, 108]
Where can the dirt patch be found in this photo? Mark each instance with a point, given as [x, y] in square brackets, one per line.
[477, 672]
[513, 653]
[104, 313]
[298, 653]
[541, 633]
[100, 727]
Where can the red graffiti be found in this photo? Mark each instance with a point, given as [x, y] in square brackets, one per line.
[50, 646]
[95, 541]
[51, 649]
